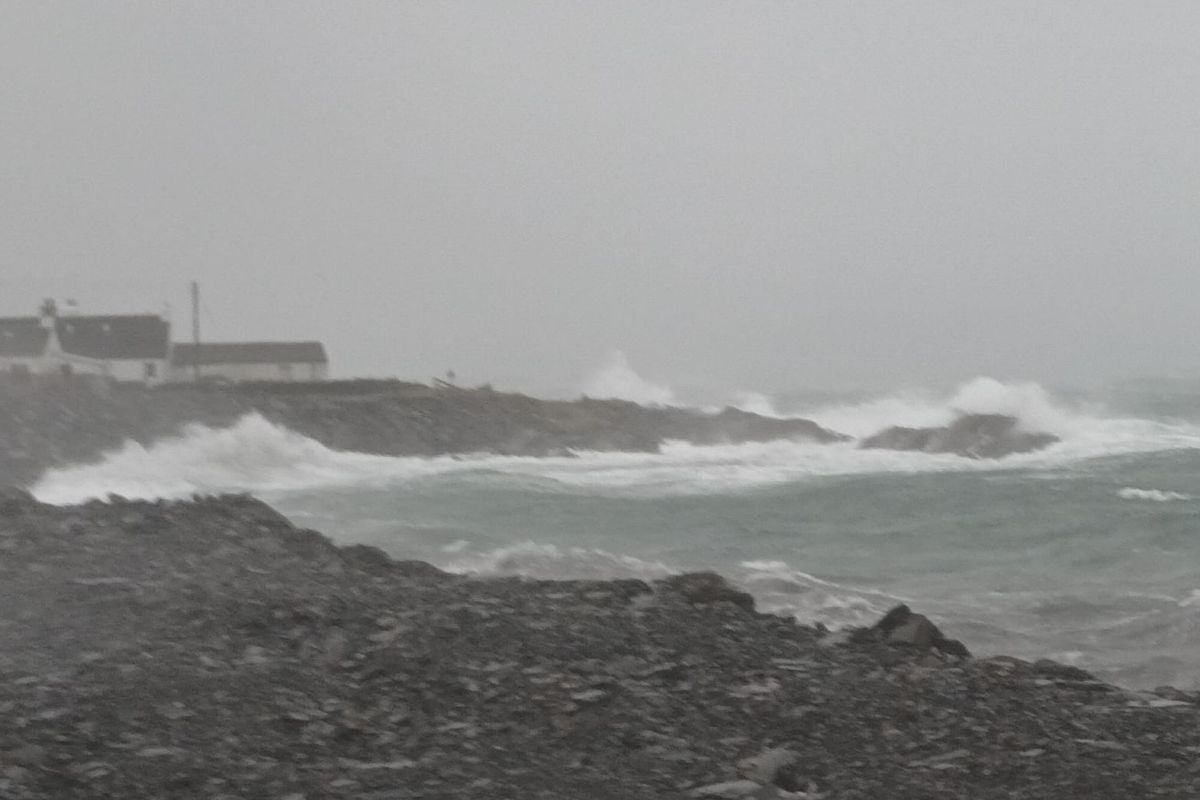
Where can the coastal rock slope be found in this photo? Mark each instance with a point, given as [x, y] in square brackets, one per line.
[209, 649]
[970, 435]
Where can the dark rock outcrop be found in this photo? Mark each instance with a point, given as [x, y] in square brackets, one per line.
[733, 426]
[903, 627]
[701, 588]
[971, 436]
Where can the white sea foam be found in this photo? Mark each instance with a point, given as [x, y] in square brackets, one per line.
[538, 560]
[252, 455]
[618, 380]
[919, 408]
[755, 403]
[1087, 431]
[779, 588]
[1155, 495]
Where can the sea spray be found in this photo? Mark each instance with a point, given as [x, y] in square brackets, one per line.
[618, 380]
[252, 455]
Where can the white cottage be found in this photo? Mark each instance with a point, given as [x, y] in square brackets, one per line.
[131, 347]
[250, 361]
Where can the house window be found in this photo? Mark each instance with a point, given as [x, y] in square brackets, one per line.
[151, 370]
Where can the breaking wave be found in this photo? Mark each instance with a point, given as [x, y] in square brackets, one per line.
[618, 380]
[537, 560]
[1087, 430]
[1037, 409]
[776, 586]
[755, 403]
[1154, 495]
[252, 455]
[779, 588]
[258, 456]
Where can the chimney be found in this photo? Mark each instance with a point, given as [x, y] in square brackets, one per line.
[48, 313]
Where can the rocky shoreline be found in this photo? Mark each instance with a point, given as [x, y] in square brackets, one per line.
[60, 422]
[209, 649]
[65, 422]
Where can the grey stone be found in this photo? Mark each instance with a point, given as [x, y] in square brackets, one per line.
[703, 588]
[771, 767]
[970, 436]
[730, 789]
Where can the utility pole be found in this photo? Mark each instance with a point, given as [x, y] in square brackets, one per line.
[195, 332]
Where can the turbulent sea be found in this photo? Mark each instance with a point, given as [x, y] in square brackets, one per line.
[1087, 552]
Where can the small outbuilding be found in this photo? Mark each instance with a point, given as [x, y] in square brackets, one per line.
[250, 361]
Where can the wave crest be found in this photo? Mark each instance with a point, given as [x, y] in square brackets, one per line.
[1035, 407]
[1154, 495]
[252, 455]
[618, 380]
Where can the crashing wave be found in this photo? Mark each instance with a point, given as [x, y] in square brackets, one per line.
[617, 380]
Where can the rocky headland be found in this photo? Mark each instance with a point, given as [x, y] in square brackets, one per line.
[60, 423]
[969, 435]
[63, 422]
[209, 649]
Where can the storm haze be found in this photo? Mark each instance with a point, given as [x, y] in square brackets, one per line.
[768, 196]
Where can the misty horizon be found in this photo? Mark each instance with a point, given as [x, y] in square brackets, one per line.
[766, 197]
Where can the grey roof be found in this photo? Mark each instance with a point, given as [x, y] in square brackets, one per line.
[22, 336]
[249, 353]
[133, 336]
[125, 336]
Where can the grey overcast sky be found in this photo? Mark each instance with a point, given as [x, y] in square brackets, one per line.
[766, 195]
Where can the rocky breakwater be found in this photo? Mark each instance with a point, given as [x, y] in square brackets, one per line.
[209, 649]
[970, 436]
[61, 422]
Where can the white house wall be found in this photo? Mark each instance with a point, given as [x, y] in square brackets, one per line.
[273, 372]
[134, 370]
[52, 364]
[18, 364]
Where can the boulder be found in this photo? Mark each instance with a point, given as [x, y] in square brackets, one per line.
[775, 767]
[375, 561]
[704, 588]
[970, 436]
[735, 426]
[901, 626]
[729, 789]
